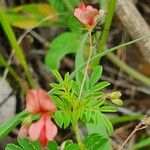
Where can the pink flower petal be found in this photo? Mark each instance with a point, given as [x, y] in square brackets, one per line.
[45, 101]
[51, 129]
[89, 8]
[35, 129]
[37, 101]
[32, 101]
[23, 132]
[86, 14]
[82, 6]
[77, 12]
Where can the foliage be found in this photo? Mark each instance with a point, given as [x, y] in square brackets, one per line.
[63, 44]
[25, 144]
[35, 13]
[80, 97]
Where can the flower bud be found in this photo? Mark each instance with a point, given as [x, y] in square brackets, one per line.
[118, 102]
[115, 95]
[23, 132]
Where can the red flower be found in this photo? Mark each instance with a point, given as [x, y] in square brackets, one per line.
[87, 14]
[38, 101]
[44, 130]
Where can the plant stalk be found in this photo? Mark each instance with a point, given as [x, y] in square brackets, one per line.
[140, 126]
[78, 137]
[87, 65]
[132, 72]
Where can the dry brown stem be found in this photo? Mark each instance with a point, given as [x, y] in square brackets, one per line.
[135, 24]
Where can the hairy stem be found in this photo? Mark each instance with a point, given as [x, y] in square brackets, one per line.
[78, 137]
[87, 65]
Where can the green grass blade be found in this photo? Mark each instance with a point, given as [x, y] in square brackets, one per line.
[111, 50]
[12, 39]
[13, 73]
[9, 125]
[125, 118]
[128, 70]
[142, 144]
[108, 20]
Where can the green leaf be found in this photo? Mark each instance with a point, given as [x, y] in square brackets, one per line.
[95, 142]
[88, 115]
[107, 123]
[29, 16]
[75, 88]
[58, 76]
[107, 109]
[64, 6]
[58, 102]
[75, 116]
[25, 144]
[12, 147]
[75, 25]
[65, 43]
[96, 74]
[100, 127]
[36, 145]
[79, 60]
[58, 118]
[52, 145]
[79, 77]
[72, 146]
[100, 86]
[9, 125]
[66, 119]
[58, 5]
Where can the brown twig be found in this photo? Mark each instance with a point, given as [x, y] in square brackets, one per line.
[142, 125]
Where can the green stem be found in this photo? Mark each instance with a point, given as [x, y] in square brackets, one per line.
[108, 51]
[108, 20]
[14, 74]
[124, 67]
[78, 137]
[126, 118]
[87, 65]
[18, 51]
[68, 5]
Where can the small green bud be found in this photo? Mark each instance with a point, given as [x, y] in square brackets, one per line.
[27, 121]
[118, 101]
[115, 95]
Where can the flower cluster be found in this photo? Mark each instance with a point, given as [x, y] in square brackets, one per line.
[38, 101]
